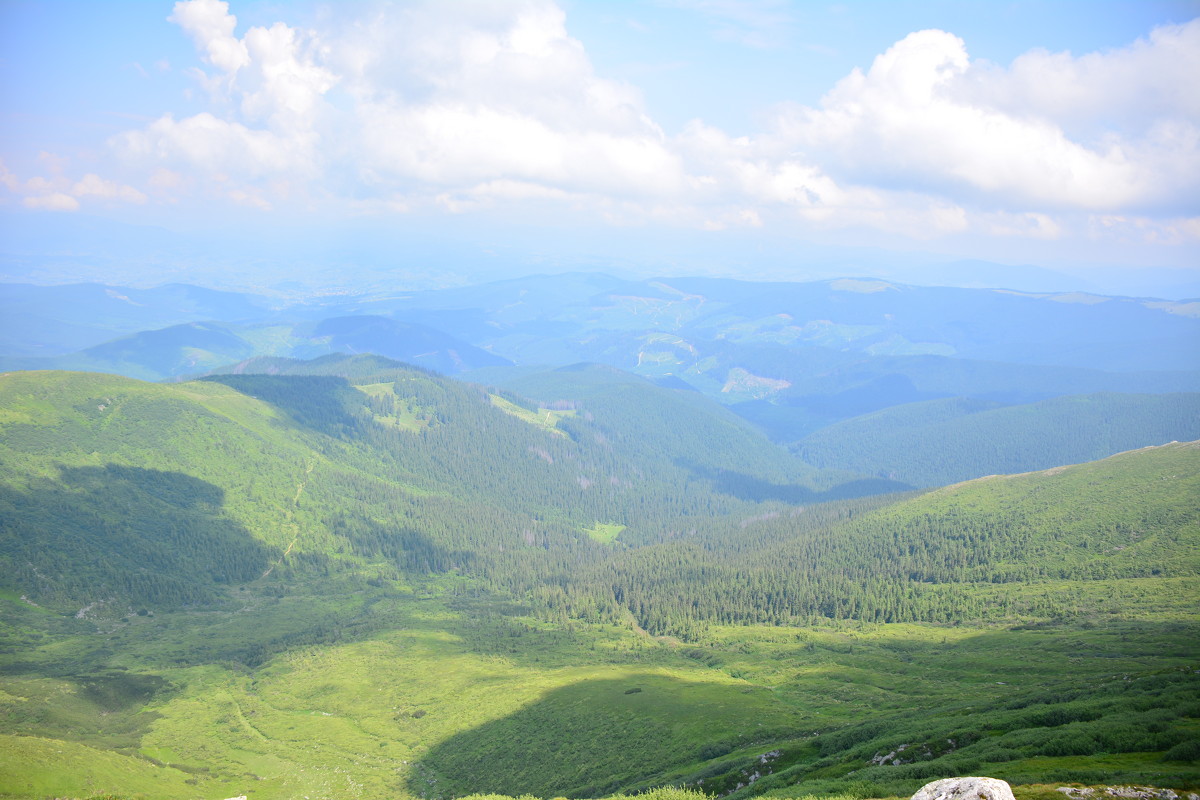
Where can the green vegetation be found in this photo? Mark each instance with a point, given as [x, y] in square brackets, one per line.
[545, 418]
[937, 442]
[372, 582]
[605, 532]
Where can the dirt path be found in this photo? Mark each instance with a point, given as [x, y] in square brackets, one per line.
[295, 528]
[300, 486]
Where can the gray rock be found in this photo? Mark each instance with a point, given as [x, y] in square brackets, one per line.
[1141, 793]
[965, 789]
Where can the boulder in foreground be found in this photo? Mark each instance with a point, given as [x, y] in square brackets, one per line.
[965, 789]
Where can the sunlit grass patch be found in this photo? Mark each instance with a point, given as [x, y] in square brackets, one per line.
[544, 418]
[605, 532]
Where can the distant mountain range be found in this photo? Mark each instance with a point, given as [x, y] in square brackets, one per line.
[195, 347]
[71, 248]
[790, 358]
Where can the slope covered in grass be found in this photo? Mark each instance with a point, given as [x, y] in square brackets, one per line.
[418, 608]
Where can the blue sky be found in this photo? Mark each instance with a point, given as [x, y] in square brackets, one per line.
[738, 137]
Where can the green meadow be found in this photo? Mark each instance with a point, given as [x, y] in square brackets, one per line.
[291, 586]
[439, 698]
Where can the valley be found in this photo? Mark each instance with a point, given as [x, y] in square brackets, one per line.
[349, 576]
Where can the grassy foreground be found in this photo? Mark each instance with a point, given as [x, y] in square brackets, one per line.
[446, 697]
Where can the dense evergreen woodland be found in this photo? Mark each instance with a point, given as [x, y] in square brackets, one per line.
[936, 442]
[351, 577]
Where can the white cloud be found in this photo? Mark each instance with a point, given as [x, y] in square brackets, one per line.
[211, 27]
[484, 91]
[210, 144]
[56, 201]
[1188, 228]
[93, 184]
[164, 179]
[923, 116]
[476, 104]
[764, 172]
[8, 179]
[58, 193]
[439, 98]
[1130, 88]
[1030, 225]
[267, 89]
[248, 198]
[283, 83]
[1144, 230]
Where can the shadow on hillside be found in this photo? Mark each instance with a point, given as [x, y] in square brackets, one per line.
[315, 598]
[592, 738]
[409, 549]
[748, 487]
[125, 537]
[598, 737]
[319, 402]
[174, 488]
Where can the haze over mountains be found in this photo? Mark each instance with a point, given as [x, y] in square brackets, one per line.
[577, 535]
[791, 359]
[63, 249]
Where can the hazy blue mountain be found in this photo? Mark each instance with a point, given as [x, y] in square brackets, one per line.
[673, 324]
[404, 341]
[200, 347]
[73, 248]
[791, 357]
[151, 355]
[937, 442]
[881, 318]
[54, 320]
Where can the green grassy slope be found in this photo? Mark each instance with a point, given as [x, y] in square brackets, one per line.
[154, 494]
[116, 490]
[403, 619]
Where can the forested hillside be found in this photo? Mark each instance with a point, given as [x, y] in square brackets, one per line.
[472, 474]
[996, 549]
[937, 442]
[356, 578]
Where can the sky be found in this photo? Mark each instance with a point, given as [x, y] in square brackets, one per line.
[459, 140]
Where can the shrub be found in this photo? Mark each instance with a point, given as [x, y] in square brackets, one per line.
[1184, 751]
[1074, 743]
[714, 750]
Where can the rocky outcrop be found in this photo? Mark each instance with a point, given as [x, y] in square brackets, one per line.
[965, 789]
[995, 789]
[1132, 792]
